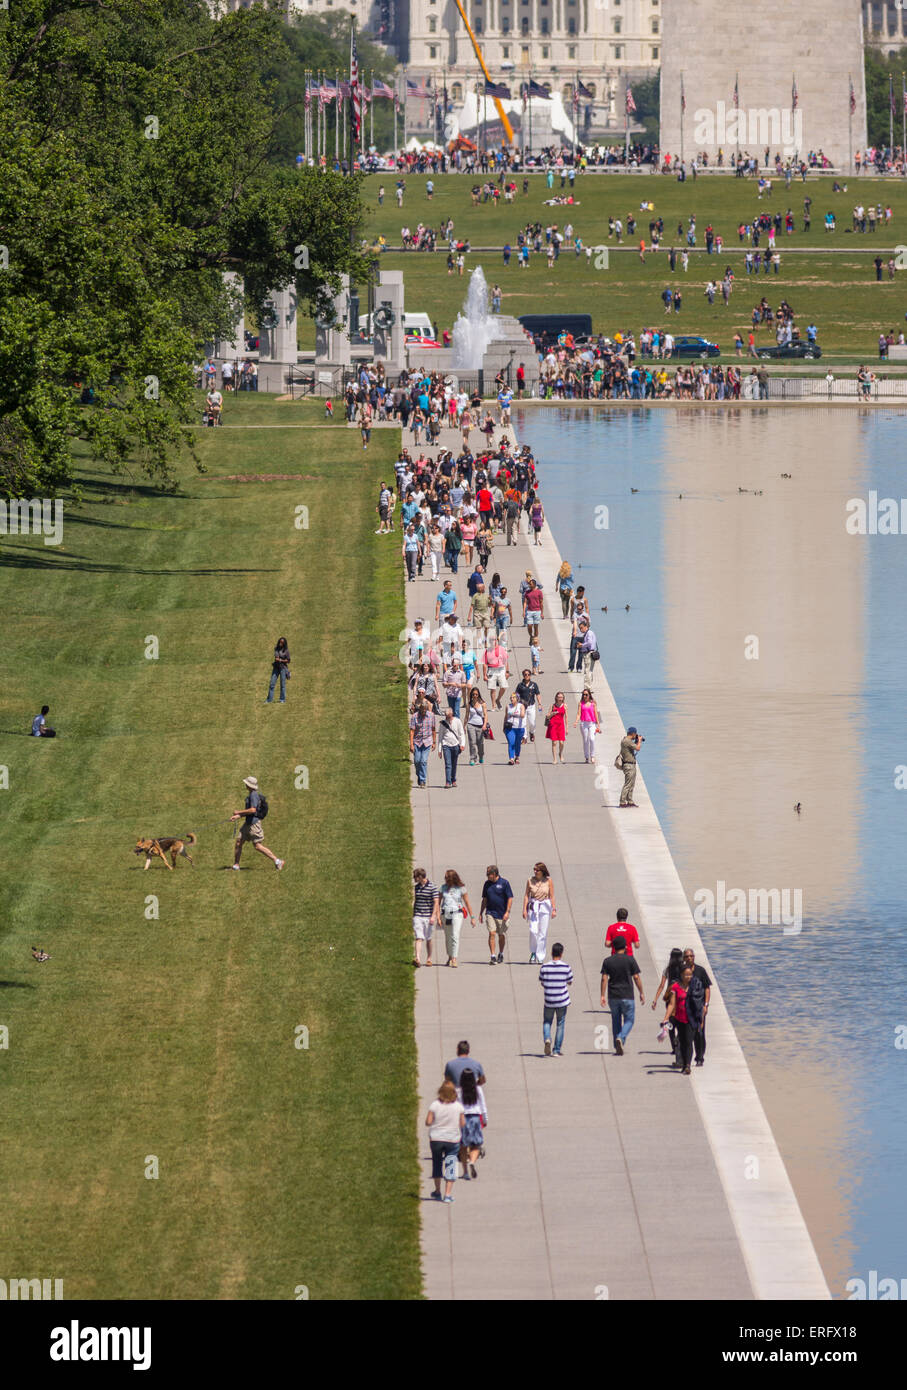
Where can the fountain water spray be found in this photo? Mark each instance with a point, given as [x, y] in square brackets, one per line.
[475, 328]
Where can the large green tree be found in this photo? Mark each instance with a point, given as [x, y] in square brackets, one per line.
[138, 162]
[879, 68]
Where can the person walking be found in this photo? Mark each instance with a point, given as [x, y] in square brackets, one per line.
[555, 978]
[454, 1069]
[250, 831]
[621, 927]
[669, 975]
[620, 972]
[536, 520]
[533, 609]
[496, 663]
[422, 737]
[530, 696]
[588, 648]
[454, 909]
[412, 552]
[495, 907]
[445, 1123]
[698, 996]
[476, 724]
[280, 670]
[579, 609]
[626, 760]
[452, 744]
[588, 718]
[538, 909]
[514, 727]
[556, 726]
[426, 915]
[475, 1118]
[565, 587]
[676, 1012]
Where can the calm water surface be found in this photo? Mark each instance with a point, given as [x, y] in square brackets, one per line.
[765, 659]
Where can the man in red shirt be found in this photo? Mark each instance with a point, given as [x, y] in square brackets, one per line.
[622, 928]
[486, 505]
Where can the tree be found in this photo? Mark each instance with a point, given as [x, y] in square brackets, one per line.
[137, 164]
[646, 94]
[878, 110]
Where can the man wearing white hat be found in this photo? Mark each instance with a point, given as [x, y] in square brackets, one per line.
[250, 829]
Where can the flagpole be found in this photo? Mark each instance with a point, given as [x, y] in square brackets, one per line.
[575, 109]
[850, 100]
[903, 116]
[371, 108]
[891, 113]
[337, 115]
[396, 145]
[342, 100]
[405, 100]
[626, 123]
[737, 110]
[529, 94]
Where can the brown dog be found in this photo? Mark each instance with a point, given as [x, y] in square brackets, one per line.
[166, 844]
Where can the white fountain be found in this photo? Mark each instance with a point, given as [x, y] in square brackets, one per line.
[475, 327]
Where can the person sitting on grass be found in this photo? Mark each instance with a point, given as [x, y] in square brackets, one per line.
[39, 726]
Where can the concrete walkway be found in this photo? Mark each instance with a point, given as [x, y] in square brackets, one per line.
[605, 1177]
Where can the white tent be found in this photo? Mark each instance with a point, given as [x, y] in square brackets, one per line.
[468, 117]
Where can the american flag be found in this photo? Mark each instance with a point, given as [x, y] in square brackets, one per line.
[381, 89]
[355, 94]
[583, 91]
[737, 92]
[418, 89]
[853, 99]
[683, 98]
[794, 95]
[631, 104]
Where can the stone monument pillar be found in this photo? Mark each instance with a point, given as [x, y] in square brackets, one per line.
[389, 339]
[332, 343]
[234, 345]
[278, 329]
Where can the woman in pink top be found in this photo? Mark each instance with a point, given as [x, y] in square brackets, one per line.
[468, 531]
[556, 727]
[587, 717]
[677, 1012]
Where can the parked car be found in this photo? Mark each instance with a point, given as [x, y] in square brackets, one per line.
[687, 346]
[797, 349]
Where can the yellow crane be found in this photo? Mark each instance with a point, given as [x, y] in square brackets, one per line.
[508, 128]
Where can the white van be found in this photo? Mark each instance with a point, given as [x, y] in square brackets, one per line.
[414, 326]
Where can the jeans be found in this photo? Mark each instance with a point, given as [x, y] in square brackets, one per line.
[549, 1013]
[440, 1148]
[411, 559]
[453, 704]
[514, 742]
[420, 761]
[451, 757]
[283, 684]
[623, 1014]
[453, 557]
[575, 662]
[684, 1043]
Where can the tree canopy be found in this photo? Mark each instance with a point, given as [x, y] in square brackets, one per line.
[139, 160]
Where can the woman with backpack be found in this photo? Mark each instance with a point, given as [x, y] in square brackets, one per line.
[280, 670]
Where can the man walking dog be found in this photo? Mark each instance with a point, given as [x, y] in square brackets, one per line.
[250, 830]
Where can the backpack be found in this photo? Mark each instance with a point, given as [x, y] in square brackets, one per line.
[262, 807]
[513, 509]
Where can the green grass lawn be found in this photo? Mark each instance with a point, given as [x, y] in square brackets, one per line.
[831, 282]
[174, 1037]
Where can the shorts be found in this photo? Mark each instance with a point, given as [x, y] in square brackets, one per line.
[496, 924]
[251, 831]
[382, 512]
[497, 678]
[422, 928]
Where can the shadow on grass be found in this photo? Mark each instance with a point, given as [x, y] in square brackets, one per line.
[15, 984]
[32, 558]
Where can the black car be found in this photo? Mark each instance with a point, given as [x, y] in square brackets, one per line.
[797, 349]
[686, 346]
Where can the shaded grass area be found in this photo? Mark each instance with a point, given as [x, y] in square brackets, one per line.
[175, 1035]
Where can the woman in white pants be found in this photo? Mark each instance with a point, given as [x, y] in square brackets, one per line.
[454, 908]
[435, 547]
[538, 909]
[587, 717]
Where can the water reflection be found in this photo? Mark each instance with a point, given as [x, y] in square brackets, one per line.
[757, 646]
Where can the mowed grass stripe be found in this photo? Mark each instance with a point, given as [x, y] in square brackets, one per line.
[175, 1037]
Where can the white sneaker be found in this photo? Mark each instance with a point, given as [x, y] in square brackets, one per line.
[234, 866]
[279, 863]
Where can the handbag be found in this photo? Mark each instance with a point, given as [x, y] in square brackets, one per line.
[489, 733]
[619, 763]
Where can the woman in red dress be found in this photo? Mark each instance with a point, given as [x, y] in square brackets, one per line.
[556, 726]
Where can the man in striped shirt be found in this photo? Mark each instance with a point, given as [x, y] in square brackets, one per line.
[426, 914]
[554, 977]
